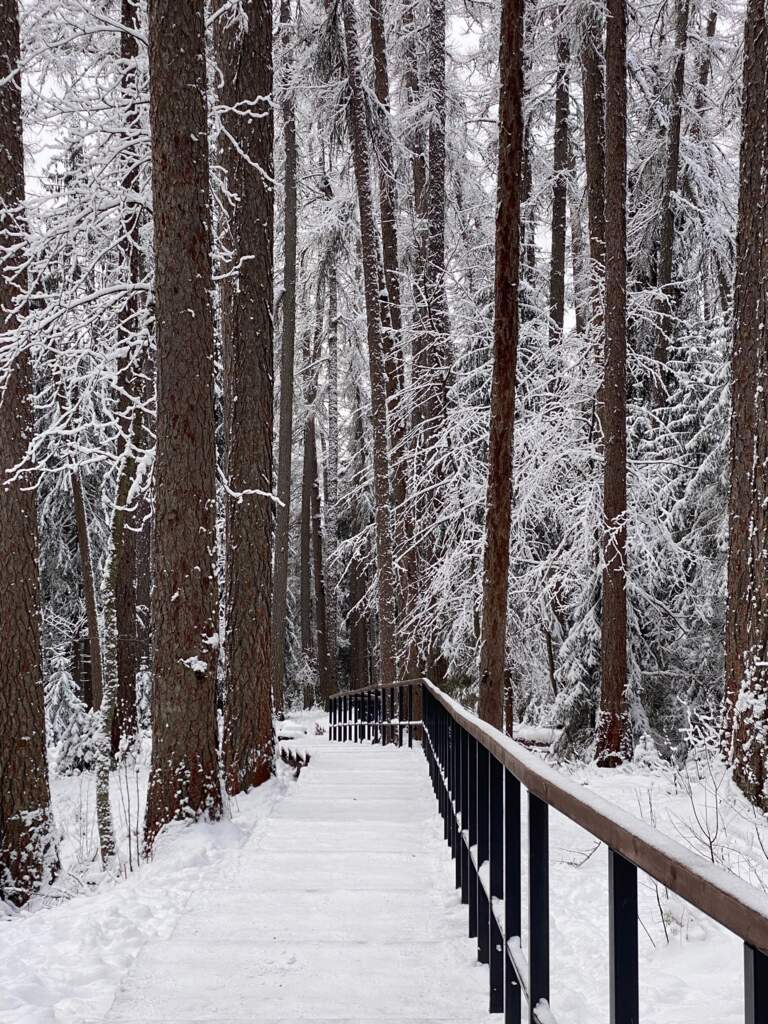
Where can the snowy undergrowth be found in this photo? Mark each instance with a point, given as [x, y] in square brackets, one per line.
[62, 958]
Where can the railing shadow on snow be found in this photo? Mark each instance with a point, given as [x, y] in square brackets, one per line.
[477, 773]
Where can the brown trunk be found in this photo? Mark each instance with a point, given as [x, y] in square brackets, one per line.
[332, 493]
[143, 586]
[124, 724]
[305, 583]
[392, 322]
[89, 587]
[111, 646]
[184, 775]
[357, 618]
[437, 304]
[506, 331]
[578, 255]
[667, 240]
[310, 355]
[594, 135]
[243, 46]
[614, 737]
[369, 242]
[560, 171]
[27, 853]
[287, 354]
[387, 201]
[702, 78]
[318, 561]
[746, 624]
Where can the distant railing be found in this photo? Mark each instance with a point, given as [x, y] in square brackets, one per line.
[476, 774]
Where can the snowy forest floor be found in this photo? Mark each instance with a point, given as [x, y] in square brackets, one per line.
[331, 897]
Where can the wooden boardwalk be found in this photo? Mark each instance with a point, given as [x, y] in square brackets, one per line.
[340, 908]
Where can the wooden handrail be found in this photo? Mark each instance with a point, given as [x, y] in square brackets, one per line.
[724, 897]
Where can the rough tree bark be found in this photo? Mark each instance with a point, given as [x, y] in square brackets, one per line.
[318, 558]
[124, 724]
[287, 355]
[560, 174]
[593, 86]
[370, 246]
[305, 546]
[243, 46]
[357, 617]
[111, 597]
[184, 775]
[506, 332]
[746, 627]
[387, 208]
[391, 311]
[27, 853]
[671, 171]
[332, 494]
[614, 738]
[437, 303]
[89, 586]
[312, 560]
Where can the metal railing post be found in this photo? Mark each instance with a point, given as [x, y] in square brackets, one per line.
[445, 767]
[464, 848]
[538, 903]
[472, 824]
[453, 763]
[410, 716]
[483, 905]
[755, 985]
[400, 705]
[457, 840]
[622, 901]
[496, 879]
[512, 894]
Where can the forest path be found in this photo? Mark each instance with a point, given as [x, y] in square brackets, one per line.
[340, 907]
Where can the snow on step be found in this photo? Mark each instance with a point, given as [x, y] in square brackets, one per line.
[338, 909]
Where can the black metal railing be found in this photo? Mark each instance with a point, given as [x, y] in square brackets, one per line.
[477, 774]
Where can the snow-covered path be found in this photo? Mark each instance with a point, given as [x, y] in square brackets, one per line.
[339, 907]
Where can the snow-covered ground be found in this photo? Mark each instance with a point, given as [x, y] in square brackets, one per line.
[282, 868]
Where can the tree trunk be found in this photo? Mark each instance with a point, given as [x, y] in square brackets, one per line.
[311, 355]
[89, 586]
[667, 240]
[244, 55]
[332, 493]
[614, 738]
[746, 625]
[420, 362]
[124, 719]
[282, 530]
[387, 204]
[369, 241]
[318, 560]
[110, 600]
[305, 595]
[594, 136]
[506, 332]
[437, 303]
[392, 323]
[560, 169]
[27, 852]
[184, 774]
[357, 617]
